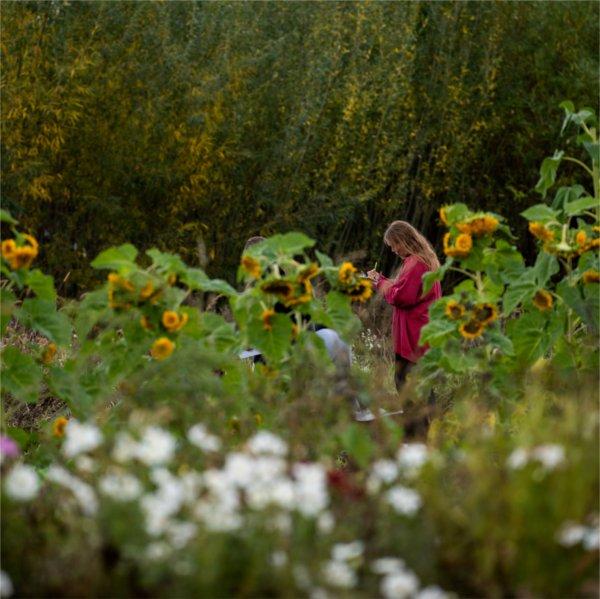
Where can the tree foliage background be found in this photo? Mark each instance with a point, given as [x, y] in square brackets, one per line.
[191, 126]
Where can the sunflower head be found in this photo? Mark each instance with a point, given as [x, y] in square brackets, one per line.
[464, 243]
[309, 272]
[22, 257]
[162, 348]
[479, 226]
[471, 329]
[251, 266]
[59, 426]
[361, 292]
[8, 248]
[346, 273]
[591, 276]
[485, 313]
[454, 310]
[303, 293]
[581, 239]
[542, 300]
[146, 291]
[172, 321]
[539, 231]
[49, 353]
[280, 287]
[267, 319]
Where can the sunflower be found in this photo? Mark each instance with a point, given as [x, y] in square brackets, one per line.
[454, 310]
[284, 289]
[447, 244]
[251, 266]
[171, 279]
[8, 248]
[22, 257]
[485, 313]
[361, 292]
[49, 353]
[479, 226]
[59, 426]
[542, 300]
[162, 348]
[310, 272]
[146, 291]
[172, 321]
[464, 243]
[32, 241]
[443, 215]
[540, 232]
[471, 329]
[591, 276]
[346, 273]
[267, 316]
[581, 239]
[304, 293]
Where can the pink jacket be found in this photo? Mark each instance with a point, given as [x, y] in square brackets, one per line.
[410, 309]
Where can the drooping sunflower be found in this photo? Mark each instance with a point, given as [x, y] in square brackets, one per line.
[20, 256]
[309, 272]
[361, 292]
[346, 273]
[59, 426]
[162, 348]
[485, 313]
[172, 321]
[479, 226]
[471, 329]
[302, 294]
[539, 231]
[591, 276]
[49, 353]
[454, 310]
[542, 300]
[267, 316]
[8, 248]
[280, 287]
[251, 266]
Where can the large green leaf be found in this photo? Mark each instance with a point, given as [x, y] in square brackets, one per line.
[436, 275]
[530, 337]
[457, 213]
[289, 244]
[357, 442]
[196, 278]
[42, 316]
[519, 291]
[42, 285]
[120, 258]
[548, 172]
[275, 342]
[167, 263]
[341, 317]
[593, 149]
[5, 217]
[578, 206]
[540, 213]
[324, 259]
[21, 375]
[564, 195]
[90, 310]
[545, 267]
[437, 330]
[585, 307]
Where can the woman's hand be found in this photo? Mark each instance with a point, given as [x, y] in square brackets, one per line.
[374, 276]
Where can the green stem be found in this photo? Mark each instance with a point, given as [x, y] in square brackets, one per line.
[464, 272]
[479, 283]
[581, 164]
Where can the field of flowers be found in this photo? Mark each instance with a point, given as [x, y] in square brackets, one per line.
[160, 464]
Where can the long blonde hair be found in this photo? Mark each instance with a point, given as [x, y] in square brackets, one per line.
[410, 241]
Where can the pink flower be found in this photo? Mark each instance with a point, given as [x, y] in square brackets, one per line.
[8, 448]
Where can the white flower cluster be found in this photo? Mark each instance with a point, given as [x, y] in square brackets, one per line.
[80, 438]
[572, 534]
[549, 456]
[83, 493]
[398, 582]
[22, 483]
[155, 447]
[199, 436]
[409, 460]
[339, 570]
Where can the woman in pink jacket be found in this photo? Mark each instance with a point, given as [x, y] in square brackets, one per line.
[405, 293]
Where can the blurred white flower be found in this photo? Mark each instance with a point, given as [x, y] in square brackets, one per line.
[239, 468]
[279, 559]
[266, 442]
[180, 533]
[518, 458]
[125, 447]
[156, 446]
[432, 592]
[388, 565]
[120, 486]
[326, 522]
[22, 483]
[347, 551]
[80, 438]
[281, 523]
[84, 463]
[571, 534]
[591, 540]
[549, 455]
[318, 593]
[279, 491]
[404, 500]
[217, 518]
[400, 585]
[385, 470]
[158, 551]
[6, 585]
[339, 574]
[199, 436]
[310, 489]
[222, 488]
[83, 493]
[411, 457]
[191, 482]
